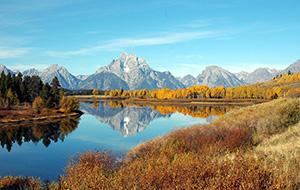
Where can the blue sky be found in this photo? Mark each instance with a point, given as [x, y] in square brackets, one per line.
[182, 37]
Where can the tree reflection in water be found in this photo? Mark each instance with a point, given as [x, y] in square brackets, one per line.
[36, 132]
[201, 111]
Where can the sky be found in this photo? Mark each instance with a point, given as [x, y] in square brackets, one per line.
[180, 36]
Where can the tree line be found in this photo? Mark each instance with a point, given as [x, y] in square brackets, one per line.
[203, 91]
[17, 89]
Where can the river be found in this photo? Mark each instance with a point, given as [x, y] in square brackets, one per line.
[43, 150]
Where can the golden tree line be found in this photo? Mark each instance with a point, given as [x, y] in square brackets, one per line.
[203, 91]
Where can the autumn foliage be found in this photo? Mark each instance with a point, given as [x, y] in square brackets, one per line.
[69, 104]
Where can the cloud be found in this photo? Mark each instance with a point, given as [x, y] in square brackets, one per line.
[117, 44]
[8, 52]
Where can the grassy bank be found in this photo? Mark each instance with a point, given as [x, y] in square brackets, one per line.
[255, 147]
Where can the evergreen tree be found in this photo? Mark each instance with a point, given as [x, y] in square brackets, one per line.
[34, 87]
[18, 82]
[55, 91]
[7, 82]
[45, 94]
[24, 90]
[2, 84]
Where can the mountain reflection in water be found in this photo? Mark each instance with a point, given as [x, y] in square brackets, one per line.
[36, 132]
[130, 119]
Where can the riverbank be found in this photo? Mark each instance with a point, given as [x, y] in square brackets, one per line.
[175, 102]
[22, 115]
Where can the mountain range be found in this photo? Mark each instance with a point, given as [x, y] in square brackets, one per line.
[130, 72]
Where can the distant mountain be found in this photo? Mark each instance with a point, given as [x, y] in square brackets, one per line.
[31, 72]
[258, 75]
[214, 76]
[66, 79]
[5, 69]
[187, 80]
[82, 77]
[127, 120]
[138, 74]
[241, 75]
[103, 81]
[265, 74]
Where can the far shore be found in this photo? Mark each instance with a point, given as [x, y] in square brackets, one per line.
[177, 102]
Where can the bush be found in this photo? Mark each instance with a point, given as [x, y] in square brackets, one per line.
[69, 104]
[92, 170]
[38, 104]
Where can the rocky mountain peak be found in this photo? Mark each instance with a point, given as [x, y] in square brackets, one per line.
[2, 67]
[138, 74]
[31, 72]
[188, 80]
[5, 69]
[52, 68]
[214, 76]
[126, 56]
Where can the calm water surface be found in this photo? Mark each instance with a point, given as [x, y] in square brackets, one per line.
[44, 150]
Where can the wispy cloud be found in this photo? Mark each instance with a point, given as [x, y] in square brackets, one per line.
[8, 52]
[116, 44]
